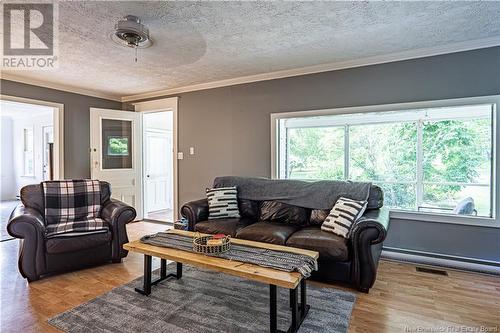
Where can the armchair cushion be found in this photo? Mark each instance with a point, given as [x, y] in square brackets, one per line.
[71, 200]
[76, 228]
[77, 242]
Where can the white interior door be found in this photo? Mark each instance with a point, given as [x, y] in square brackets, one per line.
[158, 170]
[116, 150]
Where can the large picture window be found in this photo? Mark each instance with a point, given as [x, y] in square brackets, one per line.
[432, 160]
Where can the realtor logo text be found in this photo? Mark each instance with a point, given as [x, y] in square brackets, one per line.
[29, 31]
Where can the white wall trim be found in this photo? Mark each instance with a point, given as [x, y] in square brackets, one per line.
[398, 56]
[166, 104]
[58, 129]
[440, 260]
[62, 87]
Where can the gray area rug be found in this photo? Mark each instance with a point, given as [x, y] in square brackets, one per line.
[204, 301]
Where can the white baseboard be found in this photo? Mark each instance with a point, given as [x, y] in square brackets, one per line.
[439, 260]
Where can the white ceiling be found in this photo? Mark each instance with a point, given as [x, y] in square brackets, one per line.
[199, 42]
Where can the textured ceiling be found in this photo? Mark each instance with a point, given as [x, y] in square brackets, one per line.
[198, 42]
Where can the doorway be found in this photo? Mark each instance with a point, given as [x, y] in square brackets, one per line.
[29, 147]
[158, 165]
[160, 200]
[129, 146]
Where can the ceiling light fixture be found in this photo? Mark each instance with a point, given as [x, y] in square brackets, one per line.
[130, 32]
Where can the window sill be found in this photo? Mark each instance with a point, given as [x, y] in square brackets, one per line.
[446, 218]
[28, 176]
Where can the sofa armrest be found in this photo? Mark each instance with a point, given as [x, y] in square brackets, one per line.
[28, 225]
[366, 238]
[118, 214]
[195, 211]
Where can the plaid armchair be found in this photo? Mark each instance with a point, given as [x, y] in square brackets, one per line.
[66, 225]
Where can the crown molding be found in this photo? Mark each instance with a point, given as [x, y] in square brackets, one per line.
[399, 56]
[57, 86]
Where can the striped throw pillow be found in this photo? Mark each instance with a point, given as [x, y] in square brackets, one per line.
[343, 215]
[223, 202]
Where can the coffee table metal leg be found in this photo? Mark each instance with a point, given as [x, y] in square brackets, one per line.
[303, 298]
[146, 290]
[299, 310]
[273, 311]
[147, 283]
[295, 309]
[179, 270]
[163, 268]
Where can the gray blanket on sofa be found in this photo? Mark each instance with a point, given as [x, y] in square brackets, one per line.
[314, 195]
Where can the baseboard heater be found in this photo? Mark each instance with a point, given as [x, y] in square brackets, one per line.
[439, 260]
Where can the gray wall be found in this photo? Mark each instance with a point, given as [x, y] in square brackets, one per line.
[230, 129]
[76, 121]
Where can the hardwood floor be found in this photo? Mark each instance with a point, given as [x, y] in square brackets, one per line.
[165, 215]
[402, 299]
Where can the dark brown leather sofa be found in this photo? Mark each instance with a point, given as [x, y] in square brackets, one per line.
[39, 256]
[352, 260]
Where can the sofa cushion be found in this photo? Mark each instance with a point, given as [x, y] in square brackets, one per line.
[318, 216]
[249, 208]
[73, 243]
[268, 232]
[229, 226]
[329, 246]
[280, 212]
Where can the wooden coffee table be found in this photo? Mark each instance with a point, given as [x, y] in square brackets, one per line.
[273, 277]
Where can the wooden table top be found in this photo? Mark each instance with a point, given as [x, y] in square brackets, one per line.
[245, 270]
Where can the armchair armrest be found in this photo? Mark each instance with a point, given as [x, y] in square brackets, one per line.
[195, 211]
[118, 214]
[369, 230]
[28, 224]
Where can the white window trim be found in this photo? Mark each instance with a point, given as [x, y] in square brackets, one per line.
[399, 214]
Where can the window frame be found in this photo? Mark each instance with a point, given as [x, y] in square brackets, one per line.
[277, 126]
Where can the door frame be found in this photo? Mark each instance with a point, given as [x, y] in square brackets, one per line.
[159, 105]
[58, 123]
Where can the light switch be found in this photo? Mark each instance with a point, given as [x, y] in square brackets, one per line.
[191, 150]
[180, 155]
